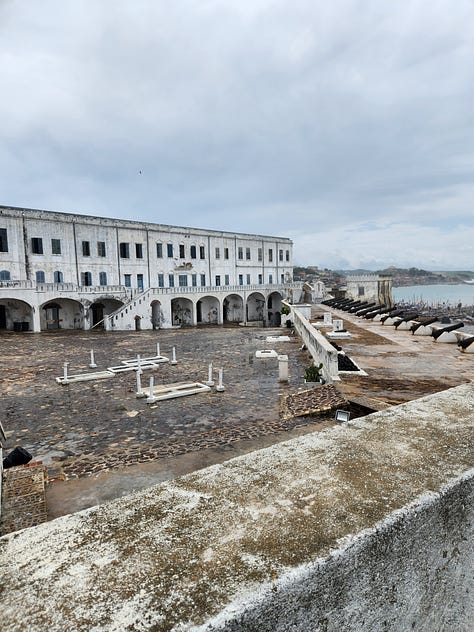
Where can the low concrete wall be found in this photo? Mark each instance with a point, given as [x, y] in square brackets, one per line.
[365, 526]
[320, 349]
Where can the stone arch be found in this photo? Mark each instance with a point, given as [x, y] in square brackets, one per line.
[255, 307]
[182, 312]
[62, 313]
[157, 316]
[15, 315]
[208, 310]
[274, 309]
[100, 309]
[233, 309]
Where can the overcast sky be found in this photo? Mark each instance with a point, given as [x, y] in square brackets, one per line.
[346, 125]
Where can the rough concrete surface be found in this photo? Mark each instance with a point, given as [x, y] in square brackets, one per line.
[272, 532]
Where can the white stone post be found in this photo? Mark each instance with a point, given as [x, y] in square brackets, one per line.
[220, 387]
[173, 356]
[139, 394]
[338, 325]
[157, 349]
[151, 395]
[283, 368]
[65, 380]
[210, 381]
[92, 364]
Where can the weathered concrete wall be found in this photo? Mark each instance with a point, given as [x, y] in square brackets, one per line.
[365, 526]
[320, 349]
[370, 287]
[413, 571]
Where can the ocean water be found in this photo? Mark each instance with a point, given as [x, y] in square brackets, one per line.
[435, 295]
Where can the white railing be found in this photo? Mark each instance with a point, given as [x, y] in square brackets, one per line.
[21, 285]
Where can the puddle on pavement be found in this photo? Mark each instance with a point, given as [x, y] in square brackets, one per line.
[64, 497]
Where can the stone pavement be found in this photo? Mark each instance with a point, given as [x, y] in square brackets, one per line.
[400, 367]
[23, 497]
[85, 428]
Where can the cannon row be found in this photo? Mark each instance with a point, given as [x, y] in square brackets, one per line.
[404, 319]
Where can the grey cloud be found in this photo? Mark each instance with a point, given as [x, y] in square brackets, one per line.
[292, 118]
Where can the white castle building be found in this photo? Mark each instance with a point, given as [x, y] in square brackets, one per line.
[67, 271]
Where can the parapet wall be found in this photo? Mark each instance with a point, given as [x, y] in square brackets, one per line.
[320, 349]
[364, 526]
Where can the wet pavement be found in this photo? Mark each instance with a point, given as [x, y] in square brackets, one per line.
[88, 428]
[100, 442]
[400, 367]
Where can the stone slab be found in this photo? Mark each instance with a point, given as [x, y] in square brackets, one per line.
[86, 377]
[161, 393]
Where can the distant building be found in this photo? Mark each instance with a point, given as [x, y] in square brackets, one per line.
[370, 287]
[61, 270]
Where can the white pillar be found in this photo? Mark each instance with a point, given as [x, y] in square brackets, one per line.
[151, 396]
[220, 387]
[157, 349]
[65, 380]
[173, 356]
[210, 381]
[92, 364]
[139, 393]
[283, 368]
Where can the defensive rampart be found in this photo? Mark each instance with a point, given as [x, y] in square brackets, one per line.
[365, 526]
[318, 346]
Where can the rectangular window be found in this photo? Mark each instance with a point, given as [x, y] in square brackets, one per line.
[161, 280]
[183, 280]
[226, 253]
[287, 252]
[159, 251]
[37, 245]
[260, 279]
[58, 276]
[218, 280]
[101, 252]
[247, 254]
[55, 246]
[202, 252]
[40, 276]
[203, 280]
[86, 278]
[270, 254]
[140, 281]
[282, 278]
[193, 252]
[241, 279]
[171, 280]
[102, 278]
[181, 251]
[280, 255]
[3, 240]
[124, 252]
[248, 279]
[240, 253]
[86, 249]
[218, 253]
[127, 279]
[169, 249]
[260, 254]
[270, 278]
[227, 281]
[194, 281]
[139, 251]
[361, 290]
